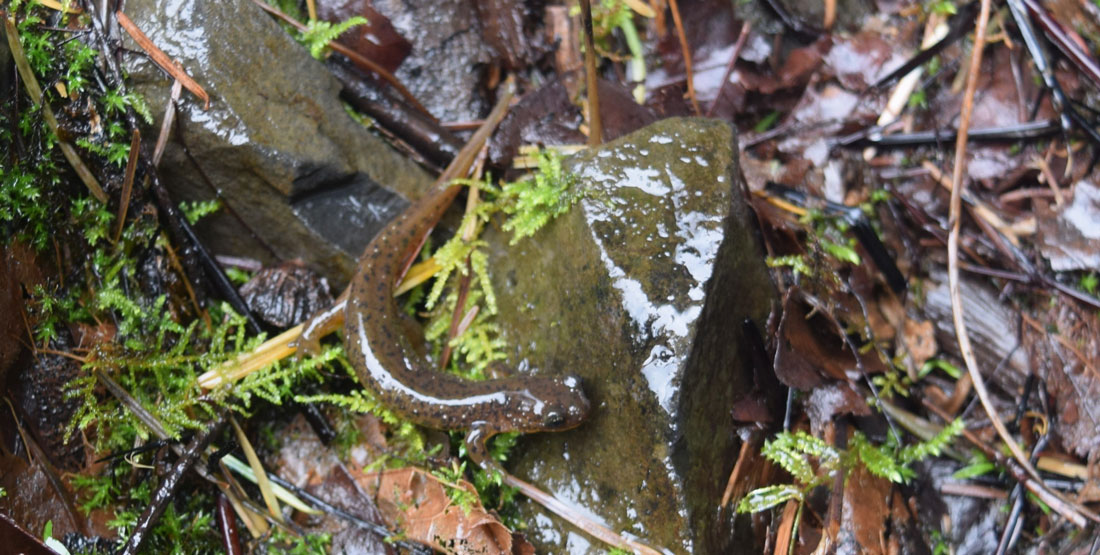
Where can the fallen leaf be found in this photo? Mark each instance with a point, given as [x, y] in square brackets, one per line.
[377, 41]
[418, 503]
[920, 341]
[1068, 238]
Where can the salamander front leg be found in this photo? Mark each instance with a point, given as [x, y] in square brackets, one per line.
[319, 325]
[477, 449]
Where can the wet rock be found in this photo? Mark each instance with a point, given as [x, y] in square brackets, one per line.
[641, 289]
[299, 177]
[448, 49]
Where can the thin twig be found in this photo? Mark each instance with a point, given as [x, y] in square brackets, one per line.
[576, 518]
[735, 474]
[595, 125]
[167, 488]
[686, 52]
[161, 59]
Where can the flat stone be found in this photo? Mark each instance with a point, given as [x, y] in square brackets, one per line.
[641, 289]
[304, 180]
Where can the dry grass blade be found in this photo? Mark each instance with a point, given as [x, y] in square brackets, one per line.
[167, 122]
[640, 8]
[258, 469]
[128, 183]
[256, 525]
[162, 59]
[418, 273]
[830, 14]
[269, 352]
[55, 5]
[1066, 509]
[248, 472]
[30, 83]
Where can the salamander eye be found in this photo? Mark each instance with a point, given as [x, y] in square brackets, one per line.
[553, 419]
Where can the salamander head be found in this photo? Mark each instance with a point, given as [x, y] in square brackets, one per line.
[547, 405]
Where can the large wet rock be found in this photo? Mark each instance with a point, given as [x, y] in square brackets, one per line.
[303, 179]
[641, 289]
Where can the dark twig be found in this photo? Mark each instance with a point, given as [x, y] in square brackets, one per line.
[595, 126]
[1009, 133]
[423, 133]
[860, 226]
[804, 31]
[374, 528]
[1058, 36]
[1068, 114]
[958, 27]
[167, 487]
[172, 218]
[227, 525]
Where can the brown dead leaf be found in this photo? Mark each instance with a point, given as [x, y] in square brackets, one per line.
[859, 60]
[809, 353]
[1068, 359]
[920, 341]
[418, 503]
[33, 499]
[377, 40]
[865, 515]
[831, 400]
[1068, 235]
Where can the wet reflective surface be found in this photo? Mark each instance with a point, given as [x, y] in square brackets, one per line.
[640, 289]
[276, 142]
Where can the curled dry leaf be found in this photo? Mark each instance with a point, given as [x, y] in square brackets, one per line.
[418, 505]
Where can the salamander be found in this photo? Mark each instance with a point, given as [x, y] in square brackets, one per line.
[387, 363]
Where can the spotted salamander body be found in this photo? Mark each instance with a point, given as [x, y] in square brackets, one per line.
[405, 382]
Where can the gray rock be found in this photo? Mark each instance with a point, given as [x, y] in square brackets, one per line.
[305, 179]
[641, 289]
